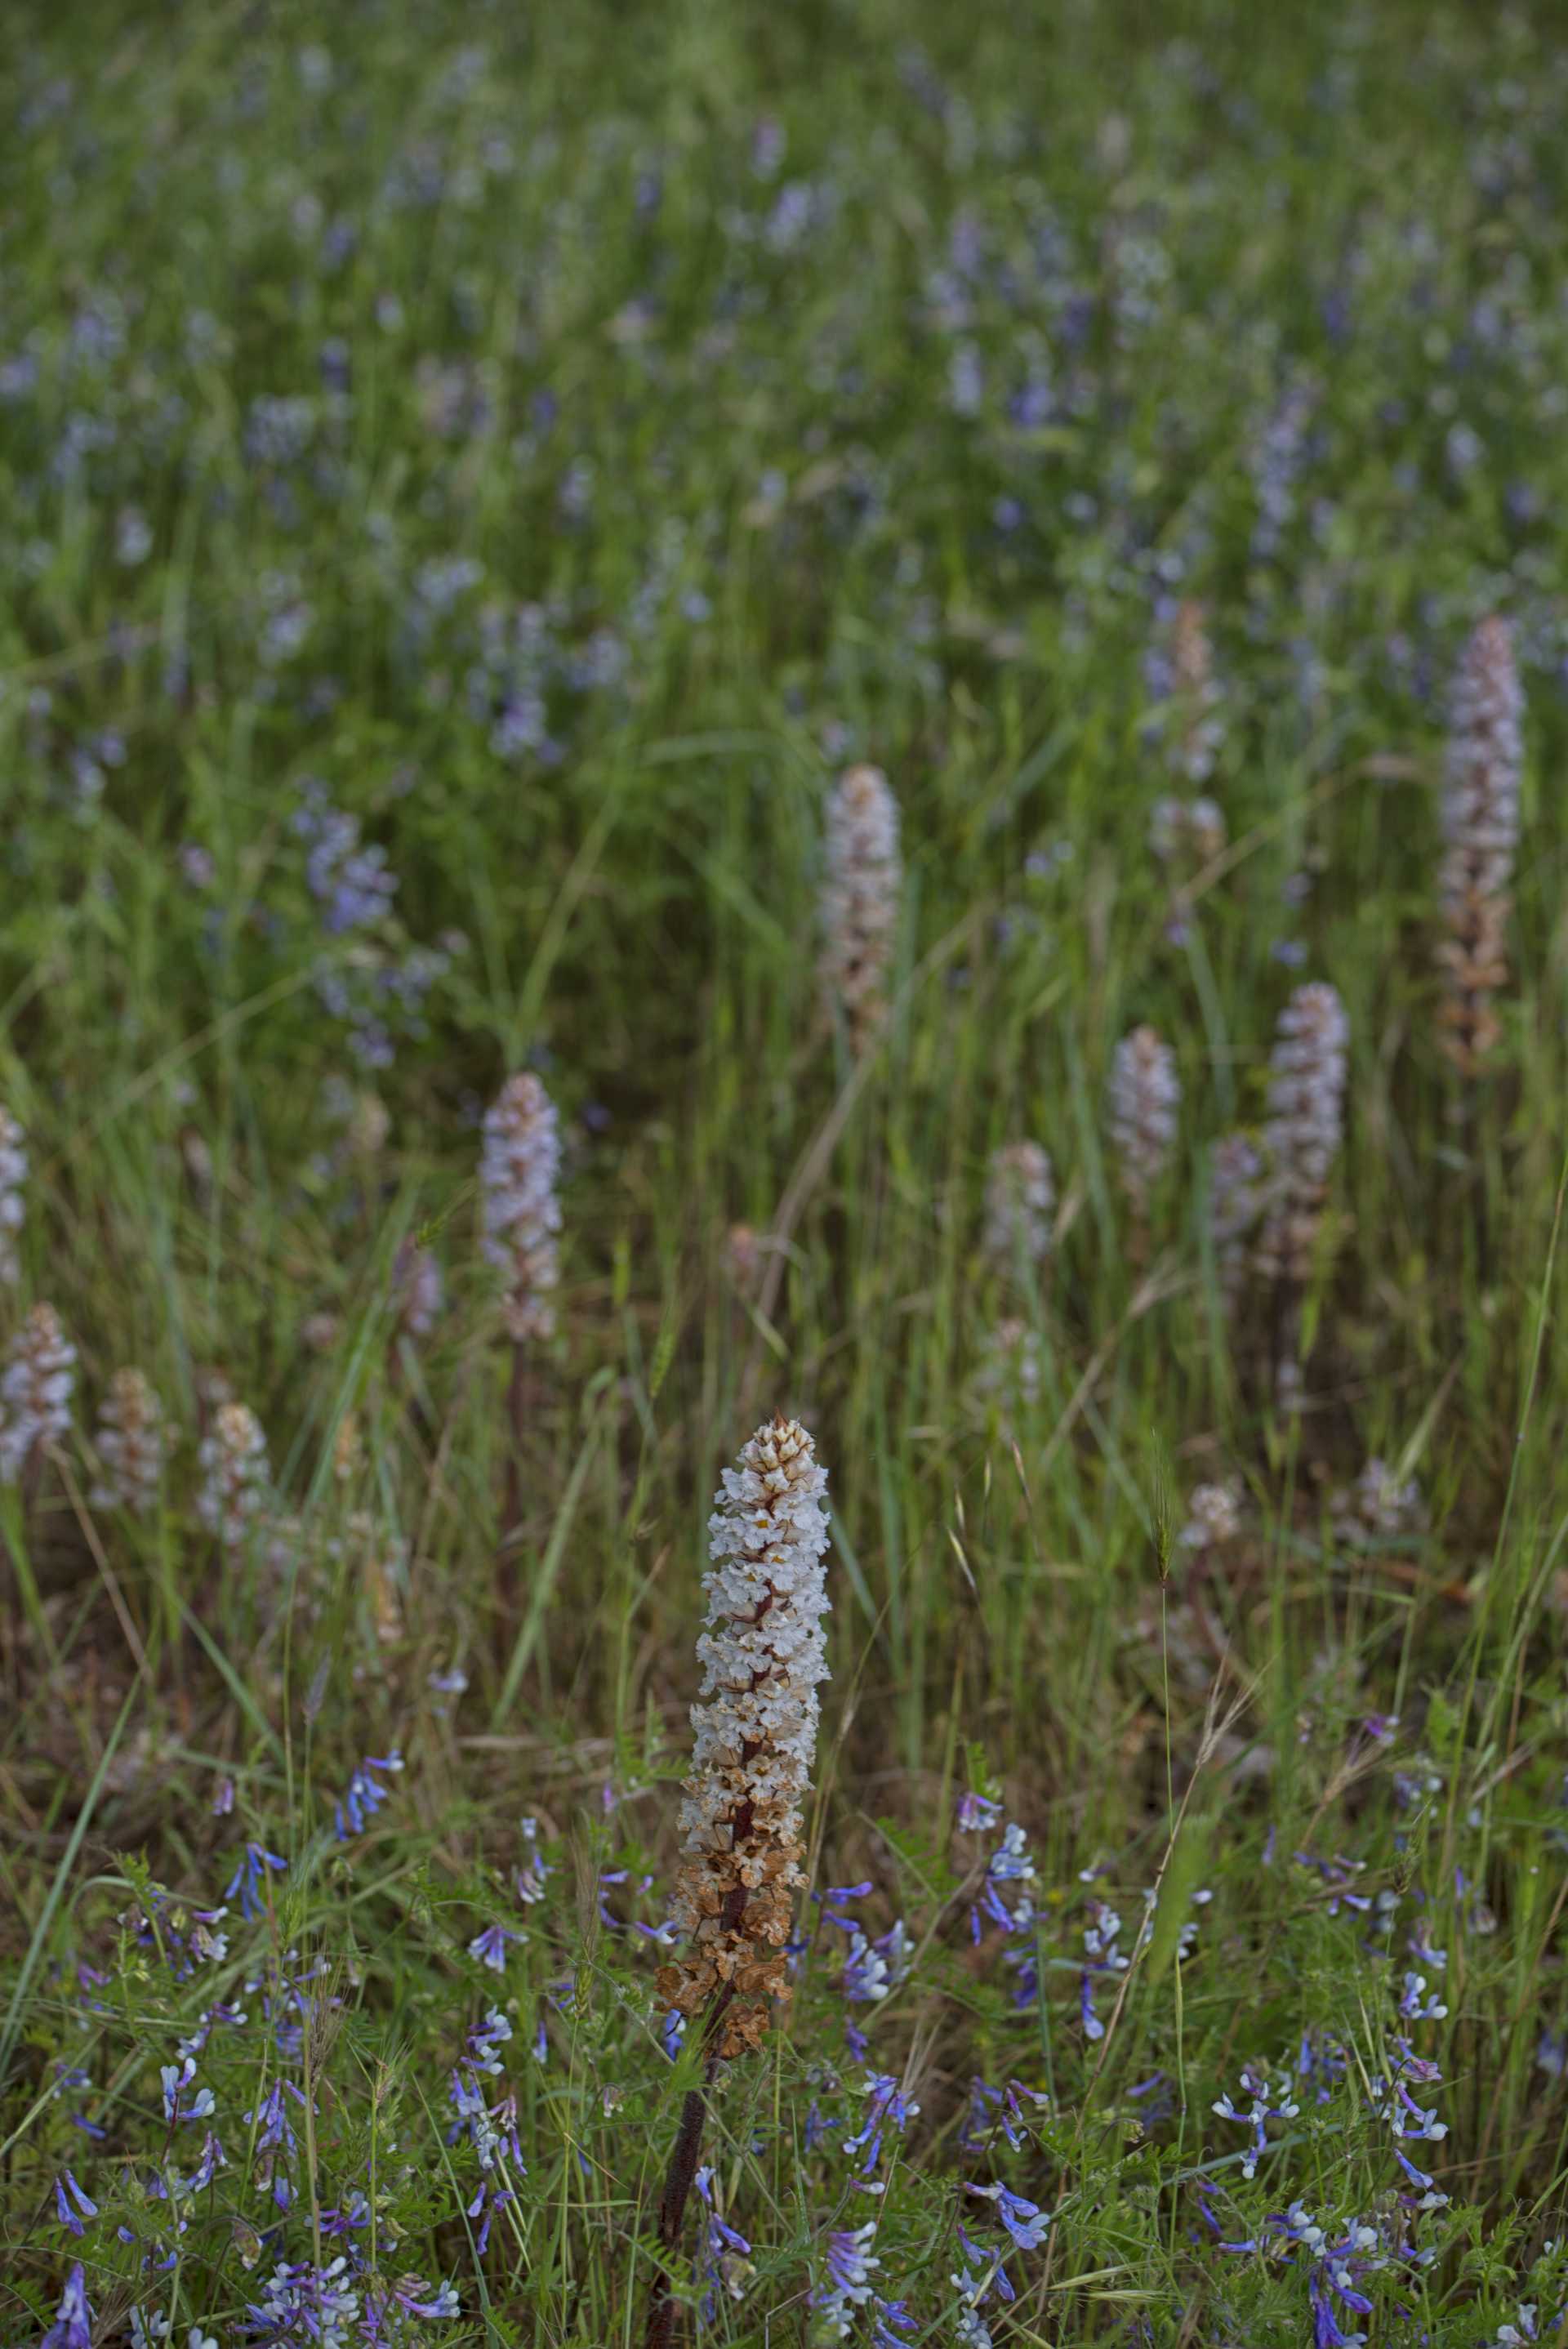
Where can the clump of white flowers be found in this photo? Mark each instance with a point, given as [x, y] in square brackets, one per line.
[1021, 1199]
[860, 898]
[1481, 833]
[13, 1175]
[36, 1391]
[130, 1441]
[1307, 1121]
[763, 1657]
[1213, 1517]
[518, 1173]
[1381, 1503]
[235, 1474]
[1145, 1095]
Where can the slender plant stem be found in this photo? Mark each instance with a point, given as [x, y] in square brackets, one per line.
[687, 2146]
[684, 2156]
[516, 1423]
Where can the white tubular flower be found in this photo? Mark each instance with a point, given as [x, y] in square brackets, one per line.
[1021, 1199]
[763, 1656]
[518, 1171]
[130, 1442]
[1145, 1095]
[13, 1175]
[1481, 830]
[1307, 1106]
[36, 1390]
[234, 1475]
[859, 897]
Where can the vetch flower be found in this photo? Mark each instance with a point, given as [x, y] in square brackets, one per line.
[71, 2204]
[725, 2252]
[416, 2298]
[365, 1796]
[304, 2303]
[873, 1969]
[999, 2108]
[888, 2108]
[72, 2327]
[178, 2105]
[1265, 2102]
[491, 1946]
[763, 1657]
[851, 2264]
[1025, 2220]
[249, 1879]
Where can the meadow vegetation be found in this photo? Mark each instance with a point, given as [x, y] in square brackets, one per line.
[847, 712]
